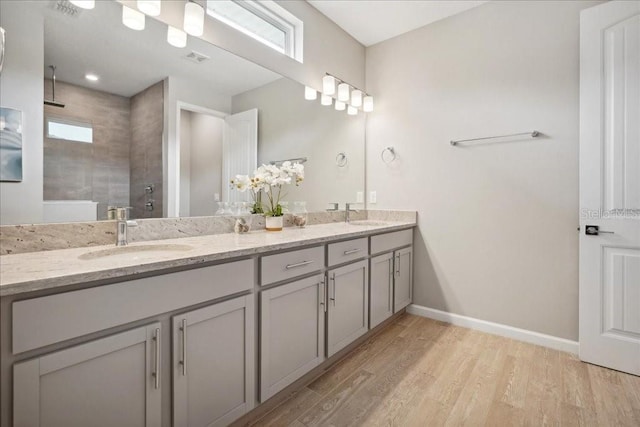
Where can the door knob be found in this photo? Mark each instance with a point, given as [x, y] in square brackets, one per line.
[594, 230]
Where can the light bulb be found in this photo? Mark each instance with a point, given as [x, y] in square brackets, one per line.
[176, 37]
[356, 98]
[343, 92]
[310, 93]
[326, 100]
[367, 104]
[193, 19]
[328, 85]
[150, 7]
[84, 4]
[91, 77]
[340, 106]
[352, 111]
[132, 18]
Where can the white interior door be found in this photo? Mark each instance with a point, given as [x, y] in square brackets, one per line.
[239, 150]
[610, 185]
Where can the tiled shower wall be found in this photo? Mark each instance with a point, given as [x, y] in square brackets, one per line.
[81, 171]
[147, 122]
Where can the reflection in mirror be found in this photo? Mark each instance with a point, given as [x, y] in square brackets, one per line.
[171, 126]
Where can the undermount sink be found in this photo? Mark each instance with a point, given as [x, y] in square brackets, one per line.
[368, 223]
[136, 252]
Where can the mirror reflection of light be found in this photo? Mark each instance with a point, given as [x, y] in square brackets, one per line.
[133, 19]
[150, 7]
[176, 37]
[84, 4]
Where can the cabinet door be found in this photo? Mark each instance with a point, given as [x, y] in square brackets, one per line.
[381, 289]
[348, 305]
[113, 381]
[291, 333]
[403, 287]
[213, 363]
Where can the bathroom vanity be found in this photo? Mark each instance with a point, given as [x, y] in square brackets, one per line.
[193, 331]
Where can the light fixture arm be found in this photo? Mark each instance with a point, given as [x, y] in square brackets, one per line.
[339, 80]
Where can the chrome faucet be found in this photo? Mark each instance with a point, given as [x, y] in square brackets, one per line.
[347, 211]
[122, 215]
[335, 207]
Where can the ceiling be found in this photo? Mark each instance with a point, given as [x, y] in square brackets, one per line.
[373, 21]
[128, 61]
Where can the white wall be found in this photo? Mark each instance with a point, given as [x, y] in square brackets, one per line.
[21, 87]
[301, 128]
[185, 163]
[200, 163]
[497, 221]
[206, 163]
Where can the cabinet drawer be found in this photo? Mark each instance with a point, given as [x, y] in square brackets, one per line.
[348, 251]
[390, 241]
[275, 268]
[46, 320]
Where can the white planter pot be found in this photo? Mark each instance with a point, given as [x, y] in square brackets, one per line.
[274, 223]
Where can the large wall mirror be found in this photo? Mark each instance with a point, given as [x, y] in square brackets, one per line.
[137, 122]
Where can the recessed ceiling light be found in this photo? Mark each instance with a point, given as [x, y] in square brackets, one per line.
[92, 77]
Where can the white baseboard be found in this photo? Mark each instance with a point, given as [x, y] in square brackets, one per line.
[496, 329]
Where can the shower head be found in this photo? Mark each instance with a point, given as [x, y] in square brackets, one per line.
[52, 102]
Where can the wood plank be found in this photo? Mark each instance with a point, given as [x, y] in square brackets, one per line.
[347, 366]
[615, 409]
[420, 372]
[358, 410]
[574, 416]
[289, 411]
[329, 405]
[542, 405]
[576, 385]
[476, 398]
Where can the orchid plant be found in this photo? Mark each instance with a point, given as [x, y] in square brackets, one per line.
[269, 179]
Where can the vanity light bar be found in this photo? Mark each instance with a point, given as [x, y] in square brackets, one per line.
[348, 97]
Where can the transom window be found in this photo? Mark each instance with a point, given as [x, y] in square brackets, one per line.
[265, 21]
[69, 130]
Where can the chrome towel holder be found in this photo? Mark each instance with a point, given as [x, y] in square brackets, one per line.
[389, 157]
[532, 134]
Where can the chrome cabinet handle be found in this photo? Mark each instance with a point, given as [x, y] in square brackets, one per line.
[398, 266]
[323, 302]
[352, 251]
[333, 279]
[183, 362]
[300, 264]
[156, 368]
[391, 277]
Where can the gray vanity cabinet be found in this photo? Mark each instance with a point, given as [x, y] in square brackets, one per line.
[398, 246]
[348, 305]
[112, 381]
[291, 332]
[381, 289]
[403, 281]
[213, 363]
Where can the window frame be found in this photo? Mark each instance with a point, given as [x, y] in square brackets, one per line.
[275, 15]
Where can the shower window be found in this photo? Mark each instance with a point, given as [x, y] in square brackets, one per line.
[265, 21]
[69, 130]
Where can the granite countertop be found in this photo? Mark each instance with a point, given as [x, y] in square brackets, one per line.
[33, 271]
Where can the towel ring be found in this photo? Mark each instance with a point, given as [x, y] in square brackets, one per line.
[390, 157]
[341, 159]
